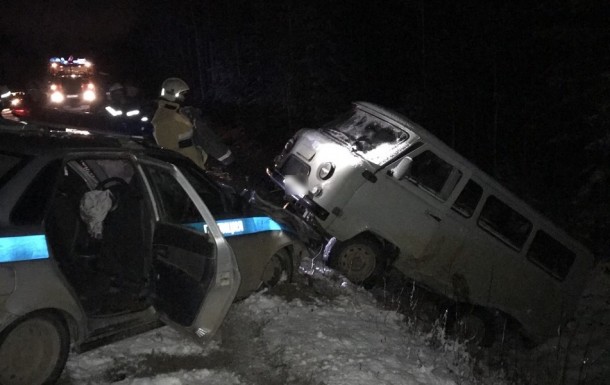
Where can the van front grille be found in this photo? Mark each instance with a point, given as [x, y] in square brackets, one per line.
[295, 166]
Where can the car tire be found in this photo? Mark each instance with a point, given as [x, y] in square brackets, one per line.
[278, 267]
[34, 350]
[358, 259]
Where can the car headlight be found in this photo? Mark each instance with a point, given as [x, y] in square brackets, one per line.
[89, 95]
[326, 170]
[57, 97]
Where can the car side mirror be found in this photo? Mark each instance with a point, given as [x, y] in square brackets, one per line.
[402, 168]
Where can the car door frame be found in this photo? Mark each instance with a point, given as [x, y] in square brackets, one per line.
[225, 282]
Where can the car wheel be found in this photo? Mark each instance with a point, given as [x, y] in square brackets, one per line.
[359, 259]
[277, 268]
[33, 350]
[474, 328]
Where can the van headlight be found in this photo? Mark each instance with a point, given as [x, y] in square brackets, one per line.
[326, 170]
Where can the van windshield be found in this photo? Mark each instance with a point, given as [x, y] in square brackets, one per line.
[374, 139]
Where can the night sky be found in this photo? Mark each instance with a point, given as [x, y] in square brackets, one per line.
[521, 88]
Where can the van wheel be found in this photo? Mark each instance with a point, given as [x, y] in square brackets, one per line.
[277, 268]
[359, 259]
[34, 350]
[474, 328]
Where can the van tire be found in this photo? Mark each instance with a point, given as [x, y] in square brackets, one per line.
[41, 341]
[358, 259]
[474, 327]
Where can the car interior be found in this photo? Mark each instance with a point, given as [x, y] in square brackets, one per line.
[108, 267]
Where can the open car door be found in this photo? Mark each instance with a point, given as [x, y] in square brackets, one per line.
[194, 271]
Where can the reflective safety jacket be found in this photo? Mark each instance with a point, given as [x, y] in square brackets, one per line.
[174, 131]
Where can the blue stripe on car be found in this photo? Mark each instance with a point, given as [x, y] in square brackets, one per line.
[240, 226]
[23, 248]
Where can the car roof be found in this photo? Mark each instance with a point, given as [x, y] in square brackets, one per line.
[37, 140]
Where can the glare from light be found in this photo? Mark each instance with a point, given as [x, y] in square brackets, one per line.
[15, 102]
[90, 86]
[57, 97]
[89, 95]
[144, 119]
[5, 95]
[53, 87]
[133, 113]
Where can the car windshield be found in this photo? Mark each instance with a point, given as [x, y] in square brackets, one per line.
[374, 139]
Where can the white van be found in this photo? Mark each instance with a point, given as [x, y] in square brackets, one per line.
[393, 194]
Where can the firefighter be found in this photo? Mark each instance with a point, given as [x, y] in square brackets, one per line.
[182, 128]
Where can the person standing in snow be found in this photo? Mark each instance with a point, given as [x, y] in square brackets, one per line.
[182, 128]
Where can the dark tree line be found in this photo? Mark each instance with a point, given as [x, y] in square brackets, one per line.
[520, 88]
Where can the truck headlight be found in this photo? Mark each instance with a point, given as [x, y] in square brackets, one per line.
[326, 170]
[89, 95]
[57, 97]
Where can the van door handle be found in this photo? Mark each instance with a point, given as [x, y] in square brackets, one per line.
[433, 216]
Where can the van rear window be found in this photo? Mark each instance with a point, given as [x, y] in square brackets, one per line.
[551, 255]
[504, 223]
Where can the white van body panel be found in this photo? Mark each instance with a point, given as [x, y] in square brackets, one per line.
[449, 252]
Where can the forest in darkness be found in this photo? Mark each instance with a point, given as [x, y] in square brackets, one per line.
[521, 89]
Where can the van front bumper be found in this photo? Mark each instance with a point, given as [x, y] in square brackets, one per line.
[303, 200]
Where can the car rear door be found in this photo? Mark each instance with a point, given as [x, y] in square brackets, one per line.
[195, 273]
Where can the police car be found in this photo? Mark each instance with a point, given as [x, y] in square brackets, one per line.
[102, 238]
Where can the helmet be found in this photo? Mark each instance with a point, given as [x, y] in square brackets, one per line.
[173, 89]
[115, 87]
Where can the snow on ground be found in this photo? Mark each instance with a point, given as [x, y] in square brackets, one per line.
[316, 331]
[322, 330]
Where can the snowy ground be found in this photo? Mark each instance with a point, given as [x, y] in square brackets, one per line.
[319, 330]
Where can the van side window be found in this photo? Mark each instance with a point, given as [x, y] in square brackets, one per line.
[504, 223]
[434, 174]
[467, 202]
[551, 255]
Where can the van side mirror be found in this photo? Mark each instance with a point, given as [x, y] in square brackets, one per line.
[402, 168]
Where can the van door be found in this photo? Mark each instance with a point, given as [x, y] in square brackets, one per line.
[195, 274]
[418, 200]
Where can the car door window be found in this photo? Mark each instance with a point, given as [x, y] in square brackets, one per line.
[9, 164]
[174, 203]
[433, 174]
[206, 191]
[30, 208]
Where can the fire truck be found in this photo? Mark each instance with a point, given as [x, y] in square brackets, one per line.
[72, 85]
